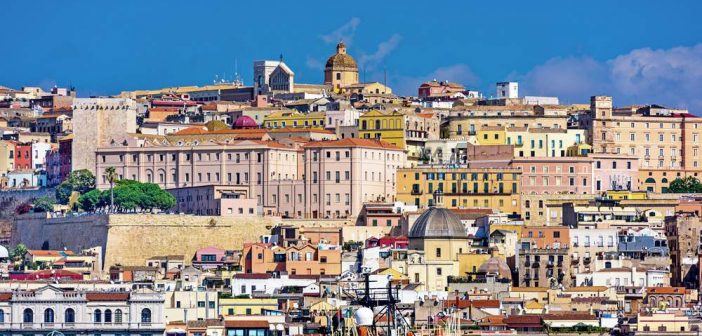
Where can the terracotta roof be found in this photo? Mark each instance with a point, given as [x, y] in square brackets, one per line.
[43, 253]
[243, 324]
[5, 296]
[195, 130]
[485, 303]
[493, 320]
[523, 320]
[665, 290]
[353, 142]
[97, 296]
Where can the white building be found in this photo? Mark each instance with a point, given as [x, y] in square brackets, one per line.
[272, 76]
[51, 308]
[244, 283]
[624, 276]
[39, 150]
[507, 90]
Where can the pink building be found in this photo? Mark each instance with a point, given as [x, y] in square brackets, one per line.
[323, 179]
[556, 175]
[341, 175]
[615, 172]
[209, 257]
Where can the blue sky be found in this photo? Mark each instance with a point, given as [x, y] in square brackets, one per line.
[637, 51]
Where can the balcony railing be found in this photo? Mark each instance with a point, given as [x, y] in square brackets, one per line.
[416, 192]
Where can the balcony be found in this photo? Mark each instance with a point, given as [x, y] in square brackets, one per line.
[549, 264]
[587, 260]
[527, 264]
[416, 192]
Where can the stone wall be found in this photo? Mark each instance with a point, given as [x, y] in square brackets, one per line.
[129, 239]
[9, 200]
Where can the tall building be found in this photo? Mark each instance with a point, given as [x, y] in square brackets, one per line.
[272, 76]
[341, 69]
[96, 122]
[666, 141]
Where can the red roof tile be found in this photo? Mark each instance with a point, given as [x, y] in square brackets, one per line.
[243, 324]
[107, 296]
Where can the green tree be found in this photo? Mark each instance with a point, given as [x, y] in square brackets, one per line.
[18, 252]
[112, 177]
[688, 184]
[80, 181]
[92, 200]
[44, 204]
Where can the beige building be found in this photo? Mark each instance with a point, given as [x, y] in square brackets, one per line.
[468, 120]
[96, 121]
[666, 141]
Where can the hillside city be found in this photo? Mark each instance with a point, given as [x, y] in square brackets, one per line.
[276, 208]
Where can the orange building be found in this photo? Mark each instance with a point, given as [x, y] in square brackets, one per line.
[304, 259]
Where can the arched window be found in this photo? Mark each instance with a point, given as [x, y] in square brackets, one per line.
[146, 315]
[70, 316]
[664, 180]
[108, 316]
[48, 315]
[650, 180]
[118, 316]
[28, 316]
[97, 316]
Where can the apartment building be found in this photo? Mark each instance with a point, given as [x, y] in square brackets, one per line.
[666, 141]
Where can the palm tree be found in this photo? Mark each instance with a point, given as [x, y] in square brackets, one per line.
[111, 175]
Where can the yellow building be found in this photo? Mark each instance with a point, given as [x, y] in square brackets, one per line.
[491, 135]
[7, 156]
[543, 142]
[436, 239]
[246, 306]
[470, 262]
[280, 119]
[405, 130]
[366, 88]
[663, 321]
[494, 188]
[341, 69]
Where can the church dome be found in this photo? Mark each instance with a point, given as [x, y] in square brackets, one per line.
[438, 223]
[341, 60]
[497, 266]
[245, 122]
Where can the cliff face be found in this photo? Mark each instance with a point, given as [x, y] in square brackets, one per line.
[129, 239]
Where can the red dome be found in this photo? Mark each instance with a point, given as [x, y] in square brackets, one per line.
[245, 122]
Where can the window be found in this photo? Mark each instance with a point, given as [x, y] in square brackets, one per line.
[49, 315]
[108, 316]
[118, 316]
[438, 252]
[28, 316]
[70, 316]
[438, 271]
[97, 316]
[146, 315]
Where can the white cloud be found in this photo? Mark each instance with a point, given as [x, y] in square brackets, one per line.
[457, 73]
[642, 76]
[370, 61]
[345, 32]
